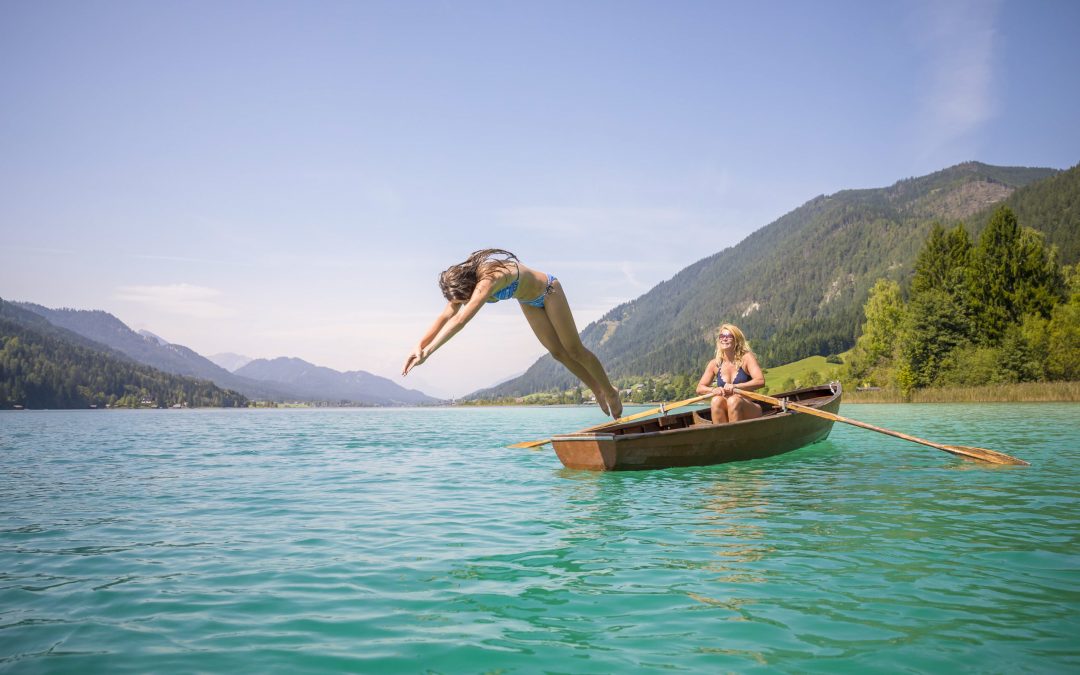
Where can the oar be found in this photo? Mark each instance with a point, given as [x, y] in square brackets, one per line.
[982, 454]
[629, 418]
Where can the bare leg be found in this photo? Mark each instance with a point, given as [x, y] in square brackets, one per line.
[545, 332]
[718, 407]
[738, 408]
[557, 311]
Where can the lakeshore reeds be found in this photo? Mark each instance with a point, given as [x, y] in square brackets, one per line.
[1023, 392]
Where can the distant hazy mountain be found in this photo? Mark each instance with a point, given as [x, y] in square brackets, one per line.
[229, 361]
[160, 340]
[148, 349]
[328, 384]
[436, 388]
[797, 285]
[145, 348]
[105, 329]
[277, 380]
[46, 366]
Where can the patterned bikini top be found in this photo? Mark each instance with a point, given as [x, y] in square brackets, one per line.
[508, 292]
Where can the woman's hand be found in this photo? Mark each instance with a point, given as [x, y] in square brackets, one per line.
[415, 358]
[718, 391]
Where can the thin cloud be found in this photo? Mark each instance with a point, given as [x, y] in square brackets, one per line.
[960, 40]
[197, 302]
[628, 274]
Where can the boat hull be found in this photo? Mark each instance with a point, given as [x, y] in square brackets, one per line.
[690, 439]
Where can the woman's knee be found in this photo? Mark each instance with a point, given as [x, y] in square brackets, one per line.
[578, 352]
[560, 355]
[719, 411]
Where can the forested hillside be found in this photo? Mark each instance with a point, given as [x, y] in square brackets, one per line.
[43, 366]
[1051, 206]
[797, 286]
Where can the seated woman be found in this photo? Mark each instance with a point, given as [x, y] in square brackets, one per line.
[735, 367]
[493, 274]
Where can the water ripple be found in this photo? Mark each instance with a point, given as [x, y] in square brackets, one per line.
[404, 540]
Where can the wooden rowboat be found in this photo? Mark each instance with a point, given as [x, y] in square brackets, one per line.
[691, 439]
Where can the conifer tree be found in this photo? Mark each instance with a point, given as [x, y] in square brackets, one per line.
[932, 267]
[934, 325]
[1013, 274]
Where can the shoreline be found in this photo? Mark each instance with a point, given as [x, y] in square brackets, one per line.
[1023, 392]
[1026, 392]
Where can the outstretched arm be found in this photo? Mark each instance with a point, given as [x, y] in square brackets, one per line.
[416, 356]
[707, 378]
[451, 320]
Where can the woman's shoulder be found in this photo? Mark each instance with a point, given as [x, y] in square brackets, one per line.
[526, 270]
[497, 269]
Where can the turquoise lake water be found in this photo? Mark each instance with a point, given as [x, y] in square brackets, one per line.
[411, 540]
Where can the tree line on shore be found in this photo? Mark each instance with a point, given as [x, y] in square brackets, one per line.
[996, 311]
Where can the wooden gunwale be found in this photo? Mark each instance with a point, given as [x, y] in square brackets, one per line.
[624, 431]
[690, 439]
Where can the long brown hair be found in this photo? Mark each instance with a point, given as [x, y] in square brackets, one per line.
[742, 347]
[457, 282]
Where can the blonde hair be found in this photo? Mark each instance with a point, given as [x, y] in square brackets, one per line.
[742, 347]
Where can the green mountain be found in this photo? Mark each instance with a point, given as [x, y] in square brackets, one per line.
[1051, 206]
[797, 286]
[45, 366]
[105, 329]
[260, 380]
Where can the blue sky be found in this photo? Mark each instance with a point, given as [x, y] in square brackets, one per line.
[288, 178]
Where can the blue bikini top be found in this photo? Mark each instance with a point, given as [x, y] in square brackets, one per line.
[508, 292]
[740, 377]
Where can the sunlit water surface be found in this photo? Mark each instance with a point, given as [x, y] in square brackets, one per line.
[412, 540]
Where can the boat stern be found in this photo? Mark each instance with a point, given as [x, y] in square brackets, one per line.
[591, 452]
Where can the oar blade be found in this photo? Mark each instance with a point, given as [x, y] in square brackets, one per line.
[992, 456]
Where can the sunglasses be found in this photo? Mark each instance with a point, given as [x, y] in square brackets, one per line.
[727, 336]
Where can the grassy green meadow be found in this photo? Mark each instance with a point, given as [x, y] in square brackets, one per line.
[805, 372]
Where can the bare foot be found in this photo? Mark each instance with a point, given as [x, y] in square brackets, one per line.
[603, 404]
[615, 404]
